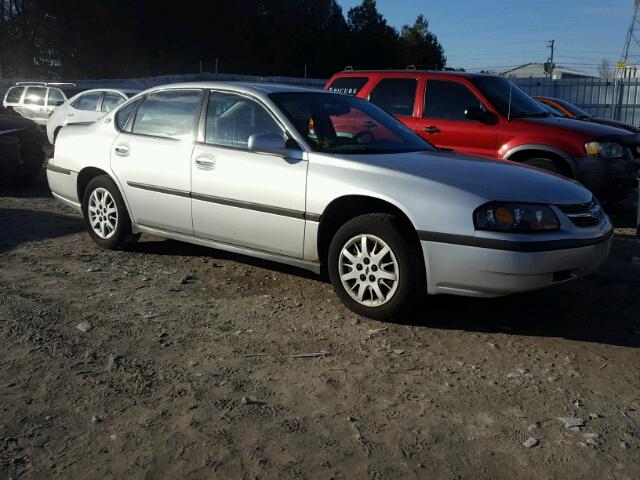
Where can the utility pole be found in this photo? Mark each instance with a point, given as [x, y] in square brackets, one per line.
[550, 65]
[632, 35]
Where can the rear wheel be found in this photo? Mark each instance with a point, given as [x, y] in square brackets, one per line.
[375, 270]
[105, 214]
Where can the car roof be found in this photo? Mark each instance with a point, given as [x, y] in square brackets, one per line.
[413, 72]
[246, 87]
[112, 90]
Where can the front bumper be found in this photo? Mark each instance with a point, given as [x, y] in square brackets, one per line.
[608, 179]
[484, 272]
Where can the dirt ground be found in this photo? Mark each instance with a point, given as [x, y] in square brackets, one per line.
[175, 361]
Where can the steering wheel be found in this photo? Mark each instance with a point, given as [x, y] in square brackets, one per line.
[362, 135]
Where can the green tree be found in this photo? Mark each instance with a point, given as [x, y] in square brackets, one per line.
[420, 47]
[374, 43]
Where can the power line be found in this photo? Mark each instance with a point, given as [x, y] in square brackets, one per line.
[632, 34]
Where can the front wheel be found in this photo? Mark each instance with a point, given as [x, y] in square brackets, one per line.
[545, 164]
[105, 214]
[374, 267]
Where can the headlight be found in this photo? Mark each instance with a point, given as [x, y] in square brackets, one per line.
[604, 149]
[515, 217]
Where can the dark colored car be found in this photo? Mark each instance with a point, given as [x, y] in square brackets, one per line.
[492, 117]
[21, 150]
[570, 110]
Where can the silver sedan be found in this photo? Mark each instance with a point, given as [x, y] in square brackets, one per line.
[328, 183]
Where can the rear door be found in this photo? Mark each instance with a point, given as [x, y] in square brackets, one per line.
[397, 96]
[442, 120]
[84, 109]
[151, 159]
[34, 105]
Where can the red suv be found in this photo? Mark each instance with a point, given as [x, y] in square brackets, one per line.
[492, 117]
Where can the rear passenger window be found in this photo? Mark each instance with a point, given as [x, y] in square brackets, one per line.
[348, 85]
[14, 94]
[168, 114]
[35, 96]
[88, 101]
[395, 95]
[448, 100]
[111, 101]
[123, 115]
[232, 119]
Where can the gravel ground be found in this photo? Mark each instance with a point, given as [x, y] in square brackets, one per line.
[174, 361]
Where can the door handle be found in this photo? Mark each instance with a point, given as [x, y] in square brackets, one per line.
[69, 114]
[205, 162]
[432, 129]
[122, 150]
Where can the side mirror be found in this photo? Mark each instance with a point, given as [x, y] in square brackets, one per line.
[272, 143]
[475, 113]
[481, 115]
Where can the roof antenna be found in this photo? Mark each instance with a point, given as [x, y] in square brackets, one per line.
[510, 89]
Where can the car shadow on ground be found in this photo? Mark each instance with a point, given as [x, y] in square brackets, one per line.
[545, 313]
[158, 246]
[37, 189]
[18, 226]
[588, 310]
[583, 310]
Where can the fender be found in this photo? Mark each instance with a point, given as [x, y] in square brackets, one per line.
[544, 148]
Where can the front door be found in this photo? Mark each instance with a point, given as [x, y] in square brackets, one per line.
[242, 198]
[442, 119]
[152, 160]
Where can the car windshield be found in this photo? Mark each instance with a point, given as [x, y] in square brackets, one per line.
[577, 111]
[509, 99]
[553, 111]
[343, 124]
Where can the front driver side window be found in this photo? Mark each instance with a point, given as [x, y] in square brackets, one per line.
[447, 100]
[232, 119]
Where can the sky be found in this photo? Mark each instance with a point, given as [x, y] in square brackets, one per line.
[499, 34]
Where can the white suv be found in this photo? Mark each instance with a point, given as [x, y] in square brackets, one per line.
[36, 100]
[84, 108]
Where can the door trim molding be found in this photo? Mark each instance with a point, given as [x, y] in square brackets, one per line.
[258, 207]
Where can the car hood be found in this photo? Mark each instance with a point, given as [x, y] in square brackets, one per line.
[482, 178]
[616, 124]
[591, 130]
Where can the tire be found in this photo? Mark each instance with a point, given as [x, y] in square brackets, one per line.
[111, 220]
[544, 164]
[404, 259]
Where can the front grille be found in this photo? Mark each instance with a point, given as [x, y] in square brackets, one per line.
[584, 215]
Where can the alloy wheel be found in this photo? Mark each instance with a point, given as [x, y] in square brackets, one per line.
[369, 270]
[103, 213]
